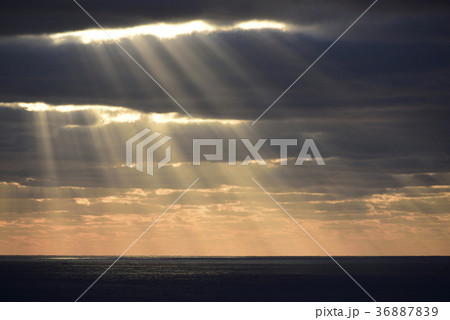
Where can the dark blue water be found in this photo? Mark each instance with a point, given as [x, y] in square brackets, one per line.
[37, 278]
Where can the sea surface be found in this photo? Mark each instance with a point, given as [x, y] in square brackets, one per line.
[57, 278]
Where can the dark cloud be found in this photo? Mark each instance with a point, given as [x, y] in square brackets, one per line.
[396, 55]
[50, 16]
[376, 103]
[362, 158]
[251, 71]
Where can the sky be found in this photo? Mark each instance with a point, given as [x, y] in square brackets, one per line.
[376, 106]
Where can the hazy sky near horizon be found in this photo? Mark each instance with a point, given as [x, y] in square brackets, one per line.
[376, 105]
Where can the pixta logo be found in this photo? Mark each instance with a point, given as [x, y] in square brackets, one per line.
[145, 146]
[144, 149]
[309, 148]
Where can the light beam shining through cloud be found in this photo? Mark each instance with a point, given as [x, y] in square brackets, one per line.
[165, 30]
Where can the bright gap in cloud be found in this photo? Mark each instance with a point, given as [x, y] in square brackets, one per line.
[115, 114]
[164, 30]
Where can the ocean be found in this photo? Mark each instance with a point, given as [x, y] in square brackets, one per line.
[63, 278]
